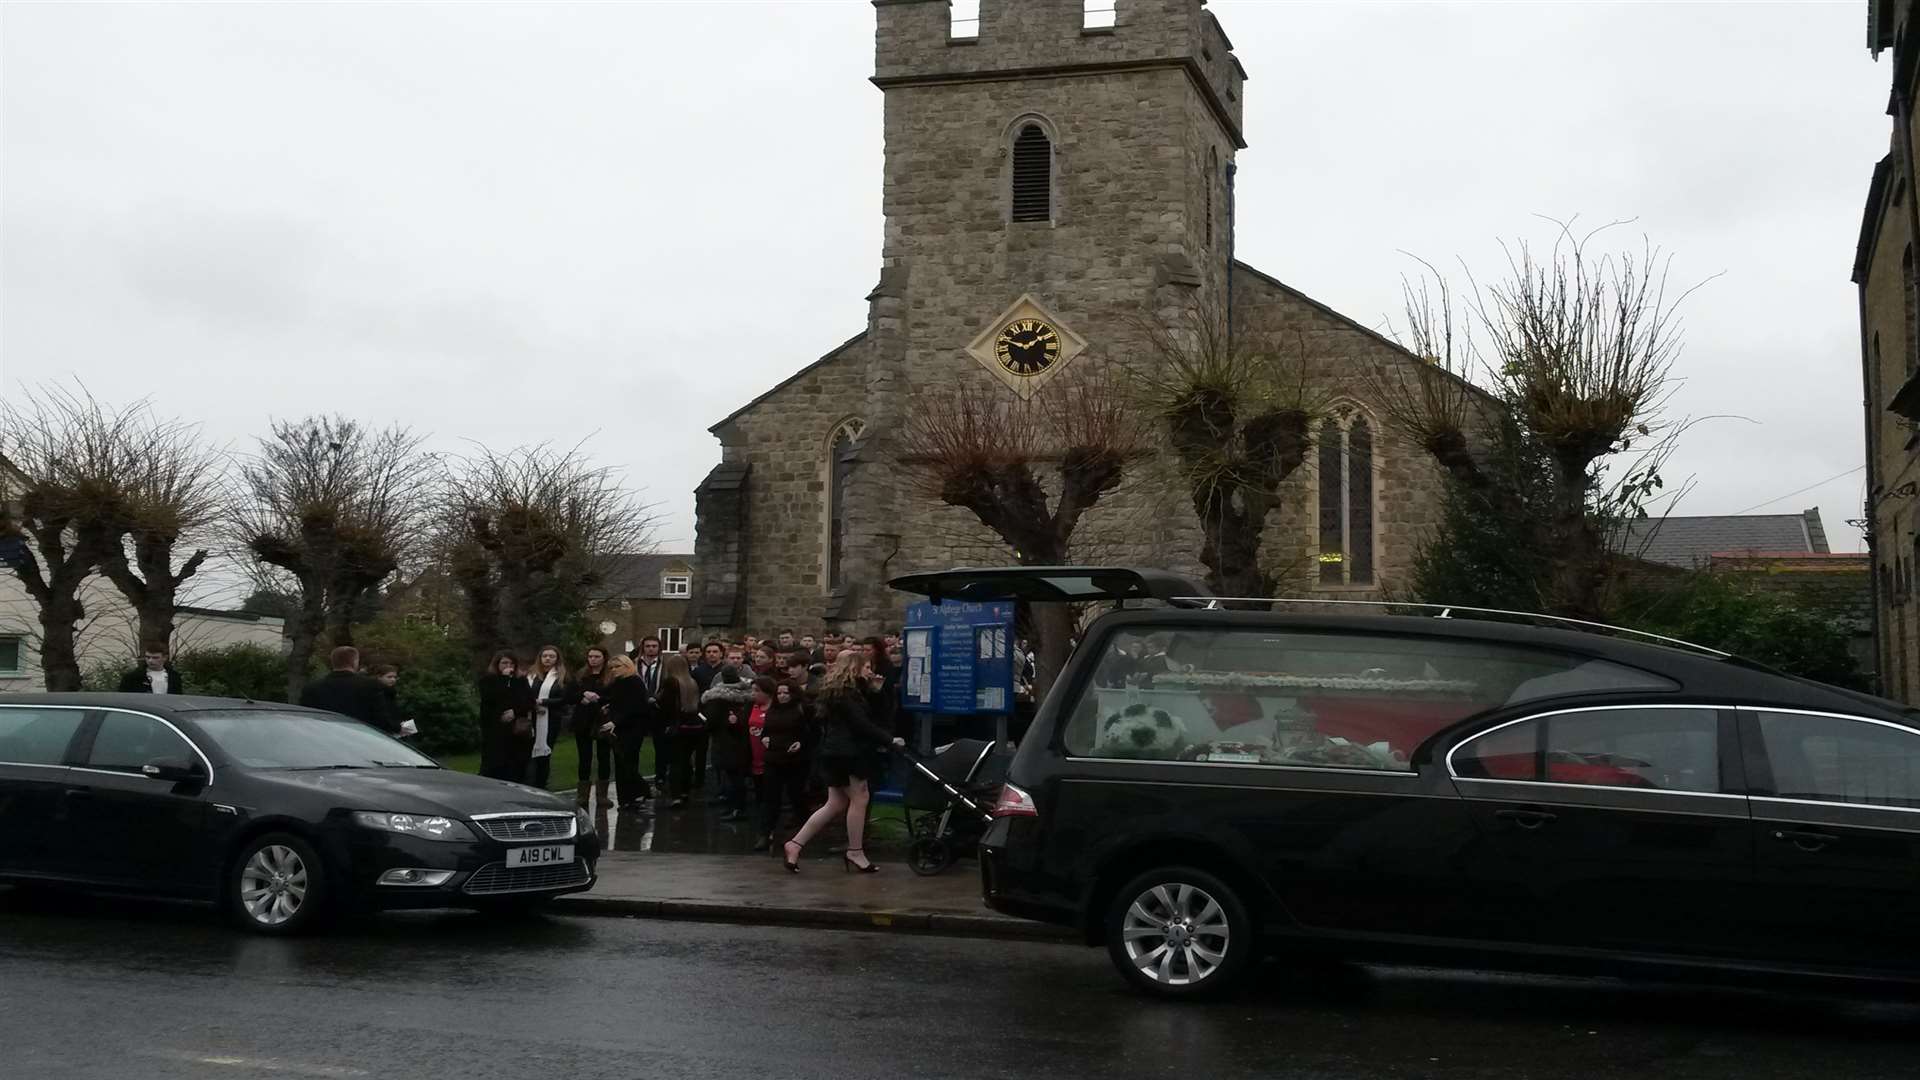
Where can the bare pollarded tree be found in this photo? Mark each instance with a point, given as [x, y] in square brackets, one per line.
[171, 492]
[68, 456]
[524, 534]
[1029, 470]
[329, 509]
[1531, 385]
[1237, 407]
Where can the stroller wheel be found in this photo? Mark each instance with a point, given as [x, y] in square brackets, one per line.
[929, 855]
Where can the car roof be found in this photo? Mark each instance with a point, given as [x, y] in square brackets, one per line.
[167, 705]
[1730, 678]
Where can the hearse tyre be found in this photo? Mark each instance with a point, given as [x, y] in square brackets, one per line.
[1180, 932]
[278, 884]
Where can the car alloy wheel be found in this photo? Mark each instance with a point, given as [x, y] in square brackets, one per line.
[1179, 932]
[277, 885]
[273, 885]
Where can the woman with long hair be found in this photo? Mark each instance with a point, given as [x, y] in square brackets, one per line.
[628, 717]
[678, 704]
[553, 694]
[785, 738]
[589, 712]
[849, 744]
[506, 720]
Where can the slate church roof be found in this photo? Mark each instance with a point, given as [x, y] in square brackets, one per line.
[1691, 542]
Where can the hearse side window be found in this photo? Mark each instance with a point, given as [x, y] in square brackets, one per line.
[1254, 696]
[127, 741]
[1834, 759]
[1663, 749]
[37, 736]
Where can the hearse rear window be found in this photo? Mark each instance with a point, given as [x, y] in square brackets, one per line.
[1265, 697]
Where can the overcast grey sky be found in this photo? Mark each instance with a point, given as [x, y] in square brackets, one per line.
[534, 223]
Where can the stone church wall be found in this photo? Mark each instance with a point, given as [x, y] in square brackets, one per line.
[784, 439]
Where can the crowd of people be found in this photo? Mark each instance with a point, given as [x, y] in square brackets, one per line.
[802, 724]
[777, 719]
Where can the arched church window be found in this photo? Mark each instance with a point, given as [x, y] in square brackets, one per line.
[1345, 460]
[1032, 175]
[840, 461]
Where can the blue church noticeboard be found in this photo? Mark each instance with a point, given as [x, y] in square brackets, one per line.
[959, 658]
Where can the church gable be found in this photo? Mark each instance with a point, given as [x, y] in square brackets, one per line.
[763, 533]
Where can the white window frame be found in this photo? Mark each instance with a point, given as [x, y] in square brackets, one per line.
[672, 639]
[668, 583]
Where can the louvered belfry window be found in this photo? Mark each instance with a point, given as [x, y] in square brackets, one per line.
[1032, 175]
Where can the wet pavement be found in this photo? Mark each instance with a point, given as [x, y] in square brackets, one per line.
[760, 890]
[109, 988]
[696, 829]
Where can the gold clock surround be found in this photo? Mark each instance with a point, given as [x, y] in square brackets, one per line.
[1026, 346]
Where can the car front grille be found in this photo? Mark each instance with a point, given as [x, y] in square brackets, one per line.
[524, 828]
[495, 878]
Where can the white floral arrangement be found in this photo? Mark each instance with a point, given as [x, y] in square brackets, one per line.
[1141, 731]
[1236, 681]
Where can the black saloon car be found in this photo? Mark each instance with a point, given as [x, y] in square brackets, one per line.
[1203, 786]
[283, 815]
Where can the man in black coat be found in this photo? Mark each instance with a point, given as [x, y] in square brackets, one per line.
[345, 691]
[155, 675]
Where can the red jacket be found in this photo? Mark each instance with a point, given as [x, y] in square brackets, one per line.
[756, 729]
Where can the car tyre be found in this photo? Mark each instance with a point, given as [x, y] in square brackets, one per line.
[278, 885]
[1180, 932]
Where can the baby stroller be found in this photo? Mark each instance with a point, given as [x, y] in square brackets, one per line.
[947, 801]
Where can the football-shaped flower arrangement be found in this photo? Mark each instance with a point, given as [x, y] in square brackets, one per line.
[1139, 731]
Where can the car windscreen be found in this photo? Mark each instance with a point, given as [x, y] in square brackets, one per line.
[264, 739]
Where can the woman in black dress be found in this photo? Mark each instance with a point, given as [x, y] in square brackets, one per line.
[506, 721]
[678, 704]
[849, 743]
[589, 712]
[627, 719]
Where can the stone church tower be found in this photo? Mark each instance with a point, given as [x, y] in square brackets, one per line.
[1048, 182]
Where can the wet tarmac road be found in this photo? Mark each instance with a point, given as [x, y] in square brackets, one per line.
[118, 989]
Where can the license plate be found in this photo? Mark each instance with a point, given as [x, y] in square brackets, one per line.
[539, 856]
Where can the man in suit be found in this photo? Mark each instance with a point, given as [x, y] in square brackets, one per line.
[646, 661]
[155, 675]
[345, 691]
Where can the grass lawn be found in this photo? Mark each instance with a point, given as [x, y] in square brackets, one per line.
[566, 763]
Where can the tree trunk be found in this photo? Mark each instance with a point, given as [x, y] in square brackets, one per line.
[303, 634]
[1230, 546]
[59, 658]
[1579, 558]
[1054, 622]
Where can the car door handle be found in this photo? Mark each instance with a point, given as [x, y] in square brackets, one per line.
[1805, 840]
[1526, 819]
[79, 793]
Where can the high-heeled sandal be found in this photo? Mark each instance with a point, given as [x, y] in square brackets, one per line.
[792, 863]
[851, 867]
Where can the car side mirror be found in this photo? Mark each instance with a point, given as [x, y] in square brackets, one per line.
[174, 770]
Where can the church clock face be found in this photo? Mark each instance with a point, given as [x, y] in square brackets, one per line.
[1027, 347]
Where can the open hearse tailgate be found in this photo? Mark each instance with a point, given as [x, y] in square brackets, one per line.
[1055, 584]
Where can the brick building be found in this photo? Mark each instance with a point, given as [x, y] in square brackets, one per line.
[1051, 177]
[645, 595]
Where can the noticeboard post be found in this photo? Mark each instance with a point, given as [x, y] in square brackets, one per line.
[959, 663]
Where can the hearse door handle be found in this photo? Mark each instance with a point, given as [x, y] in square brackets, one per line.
[1526, 819]
[1805, 840]
[79, 793]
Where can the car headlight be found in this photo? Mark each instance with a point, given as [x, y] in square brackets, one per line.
[427, 827]
[585, 819]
